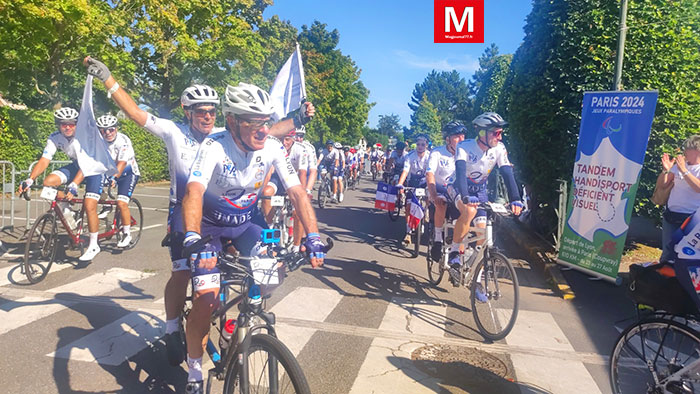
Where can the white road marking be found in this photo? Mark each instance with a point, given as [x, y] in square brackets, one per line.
[151, 226]
[311, 303]
[388, 367]
[15, 314]
[150, 195]
[540, 330]
[16, 272]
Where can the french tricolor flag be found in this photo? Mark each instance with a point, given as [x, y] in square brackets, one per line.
[415, 214]
[385, 197]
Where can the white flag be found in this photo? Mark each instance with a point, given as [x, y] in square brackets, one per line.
[289, 88]
[93, 157]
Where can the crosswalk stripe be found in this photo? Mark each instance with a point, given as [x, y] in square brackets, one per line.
[388, 367]
[539, 329]
[15, 314]
[312, 304]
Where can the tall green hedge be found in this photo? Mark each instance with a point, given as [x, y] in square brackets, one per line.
[23, 135]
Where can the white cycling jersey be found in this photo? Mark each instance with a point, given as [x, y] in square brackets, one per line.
[398, 160]
[480, 163]
[415, 165]
[298, 157]
[56, 141]
[233, 178]
[329, 157]
[441, 164]
[121, 149]
[182, 145]
[376, 155]
[311, 156]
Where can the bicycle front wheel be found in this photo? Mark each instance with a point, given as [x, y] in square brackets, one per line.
[435, 268]
[658, 348]
[495, 296]
[40, 249]
[322, 195]
[271, 368]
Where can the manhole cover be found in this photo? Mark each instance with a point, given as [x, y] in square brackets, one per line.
[461, 366]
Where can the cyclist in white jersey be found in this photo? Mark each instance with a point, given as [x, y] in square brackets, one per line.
[220, 201]
[297, 156]
[414, 168]
[182, 142]
[332, 159]
[474, 161]
[122, 152]
[396, 161]
[439, 176]
[63, 139]
[312, 162]
[376, 157]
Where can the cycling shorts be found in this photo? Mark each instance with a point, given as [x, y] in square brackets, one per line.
[126, 184]
[67, 173]
[93, 186]
[277, 184]
[452, 211]
[246, 238]
[338, 172]
[479, 191]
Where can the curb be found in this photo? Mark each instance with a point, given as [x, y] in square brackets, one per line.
[537, 252]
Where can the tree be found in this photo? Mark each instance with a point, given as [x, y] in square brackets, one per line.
[447, 91]
[388, 124]
[489, 96]
[43, 46]
[425, 120]
[486, 60]
[333, 85]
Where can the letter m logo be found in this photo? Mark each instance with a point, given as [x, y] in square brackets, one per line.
[460, 21]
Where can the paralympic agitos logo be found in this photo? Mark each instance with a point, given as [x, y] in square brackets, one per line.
[460, 21]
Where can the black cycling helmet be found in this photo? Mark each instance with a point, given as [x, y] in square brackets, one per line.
[488, 120]
[329, 142]
[346, 149]
[453, 128]
[424, 136]
[400, 145]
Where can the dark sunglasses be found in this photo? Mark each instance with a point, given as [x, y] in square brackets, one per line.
[108, 130]
[256, 124]
[202, 112]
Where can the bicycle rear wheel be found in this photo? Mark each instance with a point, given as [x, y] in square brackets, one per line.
[417, 235]
[136, 212]
[271, 368]
[662, 345]
[496, 308]
[322, 195]
[40, 248]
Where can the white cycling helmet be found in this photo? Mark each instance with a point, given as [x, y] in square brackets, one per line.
[106, 121]
[246, 99]
[301, 130]
[199, 94]
[488, 120]
[338, 145]
[65, 113]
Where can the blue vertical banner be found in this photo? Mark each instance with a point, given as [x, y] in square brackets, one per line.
[612, 143]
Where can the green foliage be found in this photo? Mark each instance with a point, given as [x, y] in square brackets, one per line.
[151, 155]
[447, 91]
[490, 92]
[333, 85]
[373, 136]
[569, 48]
[425, 120]
[389, 124]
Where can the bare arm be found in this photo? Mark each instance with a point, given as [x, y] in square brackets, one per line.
[39, 167]
[121, 165]
[432, 189]
[192, 207]
[127, 104]
[693, 181]
[311, 179]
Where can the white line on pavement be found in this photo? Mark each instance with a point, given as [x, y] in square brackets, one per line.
[150, 195]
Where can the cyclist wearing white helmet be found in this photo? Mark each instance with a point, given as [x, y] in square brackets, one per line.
[221, 201]
[312, 161]
[122, 152]
[182, 141]
[332, 159]
[440, 175]
[474, 161]
[414, 168]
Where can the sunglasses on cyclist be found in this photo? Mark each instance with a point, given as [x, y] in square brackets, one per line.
[108, 130]
[203, 112]
[256, 123]
[496, 132]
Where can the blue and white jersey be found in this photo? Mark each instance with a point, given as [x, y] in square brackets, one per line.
[328, 158]
[441, 164]
[398, 160]
[182, 145]
[416, 165]
[233, 178]
[376, 155]
[57, 141]
[121, 149]
[479, 162]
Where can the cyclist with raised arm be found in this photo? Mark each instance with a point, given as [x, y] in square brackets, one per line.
[474, 161]
[413, 173]
[439, 176]
[64, 139]
[396, 161]
[221, 202]
[122, 152]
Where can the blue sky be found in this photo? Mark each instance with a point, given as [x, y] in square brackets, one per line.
[392, 42]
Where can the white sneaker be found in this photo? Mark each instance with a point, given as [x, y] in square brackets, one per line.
[90, 253]
[125, 241]
[340, 198]
[106, 210]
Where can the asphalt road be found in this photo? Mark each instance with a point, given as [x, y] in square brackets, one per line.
[368, 321]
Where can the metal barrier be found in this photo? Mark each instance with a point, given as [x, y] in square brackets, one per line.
[38, 206]
[7, 172]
